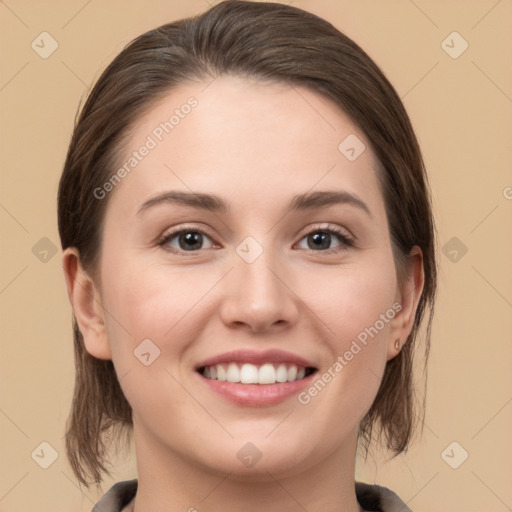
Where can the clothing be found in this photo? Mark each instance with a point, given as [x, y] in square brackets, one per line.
[373, 498]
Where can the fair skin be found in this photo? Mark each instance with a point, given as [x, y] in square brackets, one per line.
[255, 145]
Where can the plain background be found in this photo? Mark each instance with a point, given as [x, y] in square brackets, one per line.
[461, 109]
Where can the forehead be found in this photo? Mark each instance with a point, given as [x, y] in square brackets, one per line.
[243, 138]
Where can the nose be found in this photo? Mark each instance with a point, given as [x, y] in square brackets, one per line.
[257, 296]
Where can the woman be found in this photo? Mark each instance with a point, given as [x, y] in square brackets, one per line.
[249, 252]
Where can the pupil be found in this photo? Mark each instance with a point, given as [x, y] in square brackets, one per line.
[319, 240]
[191, 239]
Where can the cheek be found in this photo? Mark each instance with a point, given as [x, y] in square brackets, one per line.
[357, 299]
[358, 308]
[150, 301]
[150, 322]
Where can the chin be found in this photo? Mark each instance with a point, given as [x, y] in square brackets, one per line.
[261, 459]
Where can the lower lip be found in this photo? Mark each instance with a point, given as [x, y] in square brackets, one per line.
[257, 395]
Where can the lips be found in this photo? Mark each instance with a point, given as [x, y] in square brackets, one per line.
[256, 378]
[258, 358]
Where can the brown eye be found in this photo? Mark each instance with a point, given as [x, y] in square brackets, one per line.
[321, 240]
[185, 240]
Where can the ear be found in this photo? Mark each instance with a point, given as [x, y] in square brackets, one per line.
[408, 297]
[86, 302]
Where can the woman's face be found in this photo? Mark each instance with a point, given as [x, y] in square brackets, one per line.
[258, 289]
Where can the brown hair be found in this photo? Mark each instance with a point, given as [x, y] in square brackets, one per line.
[268, 41]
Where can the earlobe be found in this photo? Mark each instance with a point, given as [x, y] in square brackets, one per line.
[85, 300]
[409, 296]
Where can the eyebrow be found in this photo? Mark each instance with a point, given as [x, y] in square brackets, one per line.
[322, 199]
[193, 199]
[306, 201]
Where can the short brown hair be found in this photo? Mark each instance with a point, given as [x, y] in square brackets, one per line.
[267, 41]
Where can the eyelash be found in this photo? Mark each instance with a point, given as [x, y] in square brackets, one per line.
[346, 241]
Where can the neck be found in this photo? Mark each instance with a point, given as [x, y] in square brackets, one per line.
[169, 481]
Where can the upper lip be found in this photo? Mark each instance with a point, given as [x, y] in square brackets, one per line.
[257, 358]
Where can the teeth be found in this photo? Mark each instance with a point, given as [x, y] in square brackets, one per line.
[267, 374]
[233, 374]
[281, 373]
[221, 373]
[292, 373]
[251, 374]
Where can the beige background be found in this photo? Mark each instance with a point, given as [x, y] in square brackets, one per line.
[462, 111]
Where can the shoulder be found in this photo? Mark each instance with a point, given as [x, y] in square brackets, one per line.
[117, 497]
[373, 498]
[376, 498]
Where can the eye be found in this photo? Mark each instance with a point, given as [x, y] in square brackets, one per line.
[319, 240]
[185, 240]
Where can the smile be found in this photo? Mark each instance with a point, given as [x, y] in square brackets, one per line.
[251, 378]
[247, 373]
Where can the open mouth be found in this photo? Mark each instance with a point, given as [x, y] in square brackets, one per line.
[247, 373]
